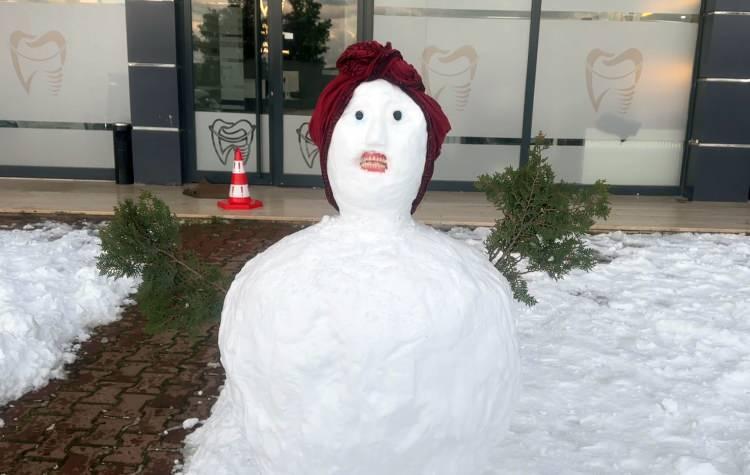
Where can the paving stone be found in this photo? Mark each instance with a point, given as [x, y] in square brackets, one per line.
[160, 462]
[63, 402]
[107, 393]
[190, 374]
[84, 380]
[41, 394]
[82, 458]
[173, 439]
[130, 405]
[34, 467]
[132, 369]
[54, 445]
[171, 358]
[76, 464]
[212, 384]
[106, 431]
[145, 353]
[184, 344]
[150, 383]
[128, 373]
[160, 367]
[133, 449]
[108, 359]
[198, 406]
[11, 414]
[153, 420]
[10, 451]
[207, 353]
[172, 396]
[163, 338]
[32, 429]
[83, 415]
[115, 469]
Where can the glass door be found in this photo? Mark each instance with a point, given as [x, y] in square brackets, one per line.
[230, 65]
[236, 101]
[315, 33]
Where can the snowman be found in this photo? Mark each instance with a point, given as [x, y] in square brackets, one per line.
[367, 344]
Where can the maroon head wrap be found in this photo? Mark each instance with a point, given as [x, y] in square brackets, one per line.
[368, 61]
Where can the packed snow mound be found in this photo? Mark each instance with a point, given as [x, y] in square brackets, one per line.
[351, 349]
[51, 295]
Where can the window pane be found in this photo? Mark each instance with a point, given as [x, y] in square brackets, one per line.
[472, 57]
[618, 90]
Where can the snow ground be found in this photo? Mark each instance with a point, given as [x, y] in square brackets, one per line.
[640, 366]
[51, 295]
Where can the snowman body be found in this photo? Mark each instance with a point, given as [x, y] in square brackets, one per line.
[354, 351]
[367, 343]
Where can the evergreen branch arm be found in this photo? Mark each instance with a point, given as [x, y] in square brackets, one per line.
[543, 221]
[177, 290]
[185, 266]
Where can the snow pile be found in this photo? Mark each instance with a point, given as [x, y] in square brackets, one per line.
[640, 366]
[190, 423]
[51, 294]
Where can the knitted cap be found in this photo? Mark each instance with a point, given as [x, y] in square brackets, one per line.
[368, 61]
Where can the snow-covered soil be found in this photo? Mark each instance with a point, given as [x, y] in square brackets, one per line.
[640, 366]
[51, 295]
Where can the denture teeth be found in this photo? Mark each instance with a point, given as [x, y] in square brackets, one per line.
[374, 161]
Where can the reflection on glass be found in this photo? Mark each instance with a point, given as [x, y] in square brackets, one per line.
[315, 34]
[224, 56]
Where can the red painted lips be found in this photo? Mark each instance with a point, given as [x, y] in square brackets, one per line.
[373, 162]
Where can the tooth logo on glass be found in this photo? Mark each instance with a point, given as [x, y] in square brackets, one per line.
[226, 136]
[615, 76]
[38, 60]
[611, 81]
[306, 146]
[448, 75]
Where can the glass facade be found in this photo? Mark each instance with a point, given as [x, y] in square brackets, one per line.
[611, 88]
[59, 88]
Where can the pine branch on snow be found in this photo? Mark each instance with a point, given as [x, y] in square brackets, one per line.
[178, 290]
[543, 221]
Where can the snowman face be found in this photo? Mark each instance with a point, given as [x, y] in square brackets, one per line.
[377, 152]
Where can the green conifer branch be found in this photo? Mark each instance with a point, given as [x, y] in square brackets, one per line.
[543, 221]
[178, 290]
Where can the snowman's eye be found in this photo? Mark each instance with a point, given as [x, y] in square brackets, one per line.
[359, 115]
[397, 115]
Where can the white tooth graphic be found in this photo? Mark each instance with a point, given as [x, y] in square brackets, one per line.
[226, 136]
[612, 79]
[448, 74]
[306, 146]
[38, 56]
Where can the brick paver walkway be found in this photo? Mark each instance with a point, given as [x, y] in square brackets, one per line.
[121, 408]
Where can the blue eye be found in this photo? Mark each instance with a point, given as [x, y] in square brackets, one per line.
[359, 115]
[397, 115]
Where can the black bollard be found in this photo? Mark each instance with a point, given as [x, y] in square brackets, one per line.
[121, 134]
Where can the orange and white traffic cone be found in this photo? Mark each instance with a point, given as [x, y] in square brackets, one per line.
[239, 189]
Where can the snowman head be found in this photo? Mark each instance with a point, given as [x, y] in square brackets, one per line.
[377, 131]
